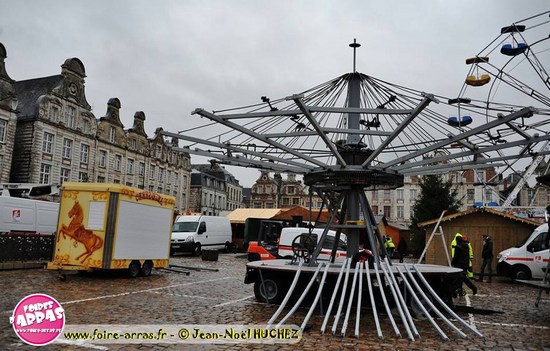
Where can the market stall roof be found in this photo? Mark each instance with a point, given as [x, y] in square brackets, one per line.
[241, 214]
[480, 210]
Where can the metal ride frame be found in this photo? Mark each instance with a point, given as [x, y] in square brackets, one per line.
[357, 133]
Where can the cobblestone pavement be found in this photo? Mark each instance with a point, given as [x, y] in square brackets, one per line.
[221, 297]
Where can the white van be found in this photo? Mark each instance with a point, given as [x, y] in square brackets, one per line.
[19, 215]
[288, 235]
[193, 233]
[528, 259]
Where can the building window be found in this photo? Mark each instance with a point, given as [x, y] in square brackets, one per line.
[413, 194]
[470, 195]
[112, 134]
[290, 190]
[151, 188]
[375, 210]
[130, 166]
[296, 201]
[158, 152]
[400, 212]
[531, 193]
[82, 176]
[67, 148]
[387, 195]
[100, 179]
[161, 174]
[169, 177]
[1, 161]
[257, 204]
[84, 153]
[47, 143]
[102, 158]
[45, 174]
[400, 194]
[152, 172]
[69, 116]
[64, 175]
[3, 129]
[132, 144]
[488, 195]
[375, 194]
[387, 211]
[141, 169]
[54, 113]
[86, 125]
[118, 162]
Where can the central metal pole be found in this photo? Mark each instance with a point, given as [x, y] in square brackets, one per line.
[353, 140]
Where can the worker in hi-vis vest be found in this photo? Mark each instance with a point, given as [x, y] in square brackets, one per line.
[470, 272]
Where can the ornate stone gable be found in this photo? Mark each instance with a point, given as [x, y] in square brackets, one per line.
[7, 90]
[137, 138]
[72, 85]
[110, 128]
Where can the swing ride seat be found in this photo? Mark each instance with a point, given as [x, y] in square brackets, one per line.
[476, 81]
[509, 50]
[459, 121]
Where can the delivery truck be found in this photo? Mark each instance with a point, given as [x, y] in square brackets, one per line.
[106, 226]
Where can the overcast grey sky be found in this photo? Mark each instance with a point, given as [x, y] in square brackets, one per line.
[168, 57]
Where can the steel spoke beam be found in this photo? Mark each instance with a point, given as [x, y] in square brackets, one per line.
[258, 136]
[319, 130]
[415, 112]
[524, 112]
[237, 149]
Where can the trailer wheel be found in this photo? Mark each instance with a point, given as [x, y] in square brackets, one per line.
[133, 269]
[146, 268]
[270, 291]
[198, 250]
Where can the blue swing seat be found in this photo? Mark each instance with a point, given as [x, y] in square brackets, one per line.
[459, 122]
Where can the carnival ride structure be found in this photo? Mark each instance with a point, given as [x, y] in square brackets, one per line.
[355, 133]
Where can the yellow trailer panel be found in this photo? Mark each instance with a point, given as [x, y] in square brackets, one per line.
[111, 226]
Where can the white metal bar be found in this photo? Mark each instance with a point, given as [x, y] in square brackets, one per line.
[334, 293]
[401, 299]
[442, 303]
[302, 297]
[432, 306]
[373, 302]
[350, 301]
[317, 297]
[359, 298]
[342, 298]
[383, 294]
[419, 303]
[287, 297]
[396, 293]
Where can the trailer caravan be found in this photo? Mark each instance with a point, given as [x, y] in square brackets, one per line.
[110, 226]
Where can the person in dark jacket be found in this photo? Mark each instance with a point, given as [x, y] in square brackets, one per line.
[487, 257]
[461, 259]
[402, 248]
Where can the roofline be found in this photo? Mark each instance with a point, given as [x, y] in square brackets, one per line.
[480, 210]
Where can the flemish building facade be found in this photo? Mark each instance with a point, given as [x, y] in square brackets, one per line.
[59, 139]
[214, 189]
[264, 192]
[8, 118]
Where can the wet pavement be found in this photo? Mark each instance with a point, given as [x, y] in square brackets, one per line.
[507, 316]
